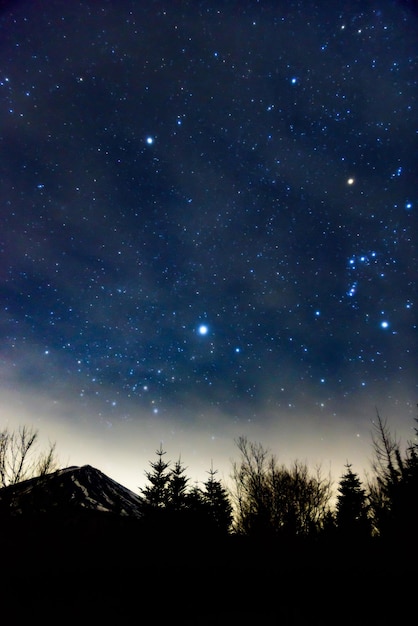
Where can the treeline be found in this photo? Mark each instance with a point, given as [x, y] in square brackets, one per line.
[270, 501]
[170, 506]
[278, 545]
[267, 501]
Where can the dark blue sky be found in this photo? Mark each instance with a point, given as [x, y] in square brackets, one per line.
[248, 166]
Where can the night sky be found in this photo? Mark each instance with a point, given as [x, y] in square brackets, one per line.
[208, 228]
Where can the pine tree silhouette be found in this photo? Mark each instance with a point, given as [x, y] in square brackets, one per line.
[218, 505]
[177, 488]
[352, 507]
[156, 494]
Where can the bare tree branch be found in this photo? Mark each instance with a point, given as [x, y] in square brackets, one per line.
[19, 456]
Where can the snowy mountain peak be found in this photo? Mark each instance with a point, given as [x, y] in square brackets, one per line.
[70, 489]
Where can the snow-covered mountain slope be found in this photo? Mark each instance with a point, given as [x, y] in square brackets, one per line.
[74, 488]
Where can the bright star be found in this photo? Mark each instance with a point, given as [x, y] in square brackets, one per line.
[203, 329]
[350, 181]
[150, 140]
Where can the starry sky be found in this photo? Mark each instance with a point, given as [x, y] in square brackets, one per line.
[208, 228]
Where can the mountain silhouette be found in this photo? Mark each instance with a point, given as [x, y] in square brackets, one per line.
[70, 491]
[73, 519]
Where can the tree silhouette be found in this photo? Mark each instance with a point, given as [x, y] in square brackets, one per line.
[171, 507]
[385, 485]
[218, 505]
[20, 458]
[352, 507]
[393, 490]
[156, 494]
[251, 494]
[177, 487]
[273, 500]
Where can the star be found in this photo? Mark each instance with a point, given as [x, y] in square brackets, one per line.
[203, 239]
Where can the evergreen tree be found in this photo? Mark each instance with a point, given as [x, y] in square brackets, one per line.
[352, 508]
[195, 500]
[177, 488]
[156, 494]
[219, 508]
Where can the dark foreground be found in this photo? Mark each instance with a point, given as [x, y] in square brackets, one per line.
[115, 572]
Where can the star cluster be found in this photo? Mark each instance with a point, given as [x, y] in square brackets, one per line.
[209, 205]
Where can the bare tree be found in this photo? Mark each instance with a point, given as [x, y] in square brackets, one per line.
[386, 465]
[250, 495]
[271, 499]
[387, 462]
[20, 457]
